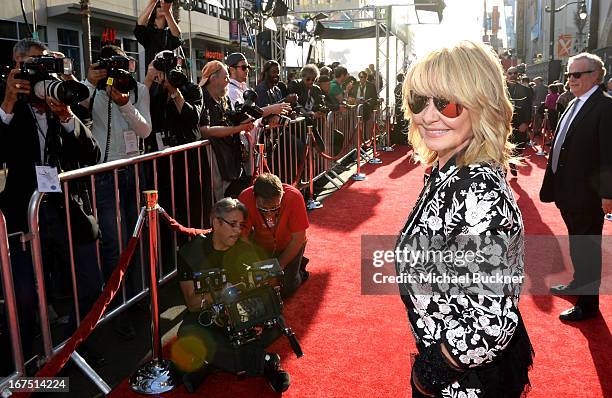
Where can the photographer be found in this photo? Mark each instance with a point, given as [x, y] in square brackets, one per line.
[156, 29]
[278, 222]
[521, 98]
[130, 123]
[39, 138]
[223, 249]
[228, 152]
[310, 96]
[176, 104]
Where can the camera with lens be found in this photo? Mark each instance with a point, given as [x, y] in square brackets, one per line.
[244, 308]
[119, 73]
[172, 65]
[245, 111]
[41, 71]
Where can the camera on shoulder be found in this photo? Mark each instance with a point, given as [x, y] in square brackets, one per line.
[41, 71]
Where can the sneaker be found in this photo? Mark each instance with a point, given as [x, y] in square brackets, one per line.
[277, 378]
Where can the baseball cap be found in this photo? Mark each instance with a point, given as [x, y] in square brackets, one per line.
[209, 69]
[234, 58]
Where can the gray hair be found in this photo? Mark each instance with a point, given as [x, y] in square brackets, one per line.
[22, 47]
[310, 70]
[227, 205]
[596, 63]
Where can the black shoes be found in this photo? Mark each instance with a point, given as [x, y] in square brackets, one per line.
[576, 314]
[193, 380]
[277, 378]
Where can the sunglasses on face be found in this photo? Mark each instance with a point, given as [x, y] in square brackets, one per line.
[273, 210]
[576, 75]
[417, 104]
[243, 67]
[233, 224]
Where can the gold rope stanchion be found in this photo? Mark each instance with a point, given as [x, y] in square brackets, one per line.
[154, 377]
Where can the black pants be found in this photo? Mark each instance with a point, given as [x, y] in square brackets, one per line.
[293, 274]
[585, 229]
[219, 353]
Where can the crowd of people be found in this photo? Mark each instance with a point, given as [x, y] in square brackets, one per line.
[120, 118]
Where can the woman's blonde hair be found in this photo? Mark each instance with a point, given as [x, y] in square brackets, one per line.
[470, 74]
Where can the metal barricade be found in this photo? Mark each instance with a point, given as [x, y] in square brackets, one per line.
[11, 307]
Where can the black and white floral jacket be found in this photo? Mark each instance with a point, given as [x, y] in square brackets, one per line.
[464, 207]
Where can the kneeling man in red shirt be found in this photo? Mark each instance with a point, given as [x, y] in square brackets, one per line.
[277, 222]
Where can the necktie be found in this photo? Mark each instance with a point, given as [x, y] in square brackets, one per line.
[561, 137]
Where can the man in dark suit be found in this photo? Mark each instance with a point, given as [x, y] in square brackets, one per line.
[521, 98]
[578, 179]
[39, 133]
[309, 95]
[365, 93]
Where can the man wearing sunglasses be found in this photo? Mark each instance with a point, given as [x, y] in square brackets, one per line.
[221, 249]
[578, 180]
[521, 98]
[277, 223]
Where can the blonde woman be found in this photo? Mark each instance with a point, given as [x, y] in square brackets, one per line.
[464, 230]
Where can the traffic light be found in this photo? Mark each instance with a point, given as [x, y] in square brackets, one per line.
[430, 5]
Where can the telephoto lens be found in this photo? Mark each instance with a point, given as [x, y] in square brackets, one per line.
[68, 92]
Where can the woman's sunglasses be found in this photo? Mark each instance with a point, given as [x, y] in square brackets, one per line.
[417, 103]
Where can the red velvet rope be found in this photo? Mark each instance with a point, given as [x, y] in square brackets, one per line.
[57, 362]
[176, 227]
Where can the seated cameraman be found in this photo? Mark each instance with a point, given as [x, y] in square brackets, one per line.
[40, 137]
[278, 222]
[223, 249]
[228, 153]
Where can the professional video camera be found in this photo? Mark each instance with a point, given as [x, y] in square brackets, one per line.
[246, 111]
[172, 66]
[246, 307]
[119, 70]
[40, 71]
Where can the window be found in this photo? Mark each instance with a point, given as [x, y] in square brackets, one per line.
[69, 45]
[10, 33]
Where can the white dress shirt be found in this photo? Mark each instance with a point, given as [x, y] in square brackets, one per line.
[235, 91]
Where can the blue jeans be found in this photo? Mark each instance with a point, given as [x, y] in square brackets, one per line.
[105, 203]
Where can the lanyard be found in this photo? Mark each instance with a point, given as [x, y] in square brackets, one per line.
[42, 135]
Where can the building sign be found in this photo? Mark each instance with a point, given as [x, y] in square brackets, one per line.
[564, 45]
[234, 27]
[109, 36]
[208, 54]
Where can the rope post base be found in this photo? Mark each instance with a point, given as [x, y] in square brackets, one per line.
[311, 204]
[359, 176]
[387, 147]
[156, 376]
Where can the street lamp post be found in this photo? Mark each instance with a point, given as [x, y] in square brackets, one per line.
[582, 14]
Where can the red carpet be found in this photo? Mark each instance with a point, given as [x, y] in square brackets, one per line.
[358, 346]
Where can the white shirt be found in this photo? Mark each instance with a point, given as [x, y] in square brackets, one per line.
[42, 126]
[235, 91]
[577, 105]
[128, 117]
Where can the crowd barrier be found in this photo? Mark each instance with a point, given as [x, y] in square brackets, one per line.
[182, 176]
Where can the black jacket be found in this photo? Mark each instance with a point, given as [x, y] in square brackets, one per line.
[19, 149]
[521, 98]
[584, 171]
[299, 88]
[177, 127]
[155, 40]
[370, 96]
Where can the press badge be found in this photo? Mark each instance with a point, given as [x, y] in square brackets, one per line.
[160, 142]
[47, 178]
[131, 142]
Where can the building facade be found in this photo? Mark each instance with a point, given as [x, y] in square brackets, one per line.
[112, 21]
